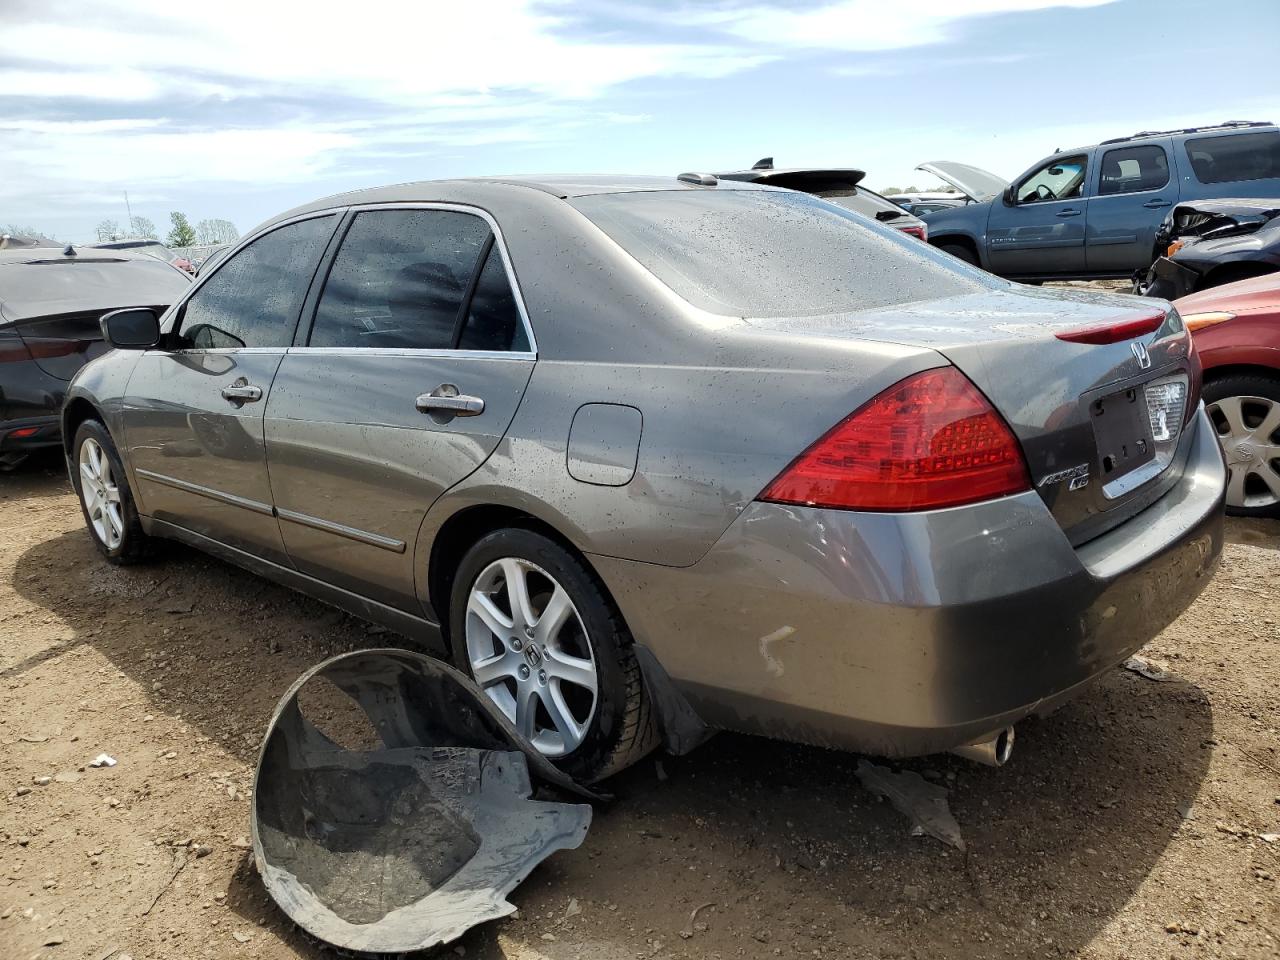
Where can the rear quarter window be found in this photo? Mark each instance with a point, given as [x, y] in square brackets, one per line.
[1236, 156]
[768, 253]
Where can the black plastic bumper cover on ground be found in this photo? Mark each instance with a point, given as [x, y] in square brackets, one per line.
[391, 810]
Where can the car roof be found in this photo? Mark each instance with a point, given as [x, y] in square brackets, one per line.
[45, 254]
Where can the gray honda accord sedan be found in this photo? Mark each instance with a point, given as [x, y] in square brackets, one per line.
[651, 457]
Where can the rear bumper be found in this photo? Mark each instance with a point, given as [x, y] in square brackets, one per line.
[20, 437]
[914, 633]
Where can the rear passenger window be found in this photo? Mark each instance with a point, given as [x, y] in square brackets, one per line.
[493, 320]
[1134, 169]
[1237, 156]
[254, 297]
[399, 280]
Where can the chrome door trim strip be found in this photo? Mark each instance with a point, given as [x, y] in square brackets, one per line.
[432, 353]
[342, 530]
[256, 506]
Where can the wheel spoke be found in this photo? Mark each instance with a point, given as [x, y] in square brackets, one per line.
[87, 477]
[558, 610]
[568, 728]
[1270, 478]
[113, 494]
[1235, 486]
[91, 501]
[496, 668]
[1233, 413]
[518, 593]
[1269, 424]
[113, 521]
[570, 669]
[526, 710]
[482, 605]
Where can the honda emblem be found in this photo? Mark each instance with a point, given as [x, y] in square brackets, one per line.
[1140, 354]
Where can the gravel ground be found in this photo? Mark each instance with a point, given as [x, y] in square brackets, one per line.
[1128, 825]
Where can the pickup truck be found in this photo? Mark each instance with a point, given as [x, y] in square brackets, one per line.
[1092, 213]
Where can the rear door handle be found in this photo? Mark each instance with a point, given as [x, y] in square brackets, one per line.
[445, 399]
[1069, 212]
[242, 392]
[1157, 203]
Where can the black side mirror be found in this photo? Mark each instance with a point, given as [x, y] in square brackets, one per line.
[135, 328]
[1009, 198]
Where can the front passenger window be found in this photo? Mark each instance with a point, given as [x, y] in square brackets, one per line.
[254, 298]
[1061, 179]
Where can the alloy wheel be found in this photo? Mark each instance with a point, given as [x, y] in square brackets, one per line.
[101, 494]
[528, 650]
[1246, 428]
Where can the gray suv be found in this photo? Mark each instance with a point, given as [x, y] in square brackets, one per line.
[1093, 212]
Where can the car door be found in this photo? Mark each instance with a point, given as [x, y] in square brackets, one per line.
[193, 410]
[415, 360]
[1135, 190]
[1039, 229]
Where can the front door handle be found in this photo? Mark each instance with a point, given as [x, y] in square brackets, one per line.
[446, 401]
[1069, 212]
[1157, 203]
[242, 391]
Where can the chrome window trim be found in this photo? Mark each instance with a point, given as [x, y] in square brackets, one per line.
[440, 353]
[499, 243]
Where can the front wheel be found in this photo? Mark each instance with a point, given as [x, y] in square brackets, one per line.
[105, 498]
[1245, 411]
[532, 626]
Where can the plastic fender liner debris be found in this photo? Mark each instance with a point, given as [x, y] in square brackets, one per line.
[391, 807]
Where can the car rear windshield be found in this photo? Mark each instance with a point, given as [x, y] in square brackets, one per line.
[1236, 156]
[41, 288]
[752, 253]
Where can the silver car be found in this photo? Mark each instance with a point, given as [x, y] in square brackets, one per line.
[651, 457]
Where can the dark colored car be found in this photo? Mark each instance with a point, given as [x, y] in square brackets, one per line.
[1236, 328]
[150, 248]
[840, 186]
[50, 302]
[1092, 212]
[1211, 242]
[646, 456]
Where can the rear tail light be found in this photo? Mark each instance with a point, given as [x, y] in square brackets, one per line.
[920, 231]
[1114, 331]
[931, 440]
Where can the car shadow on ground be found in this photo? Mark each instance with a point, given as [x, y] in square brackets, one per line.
[42, 475]
[1081, 814]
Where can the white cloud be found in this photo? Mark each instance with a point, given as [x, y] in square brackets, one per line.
[866, 25]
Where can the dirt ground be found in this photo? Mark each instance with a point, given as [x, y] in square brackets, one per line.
[1127, 825]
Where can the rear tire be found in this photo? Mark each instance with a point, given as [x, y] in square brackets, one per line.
[1245, 412]
[538, 657]
[960, 252]
[106, 501]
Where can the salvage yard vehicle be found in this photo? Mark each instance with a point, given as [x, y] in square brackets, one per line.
[1092, 213]
[841, 186]
[1236, 329]
[50, 302]
[151, 248]
[1211, 242]
[647, 457]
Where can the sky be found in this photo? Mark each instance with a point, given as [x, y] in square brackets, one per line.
[240, 109]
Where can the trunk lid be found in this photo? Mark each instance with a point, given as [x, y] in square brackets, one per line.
[974, 182]
[1089, 424]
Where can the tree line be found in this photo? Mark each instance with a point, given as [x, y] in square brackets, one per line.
[181, 233]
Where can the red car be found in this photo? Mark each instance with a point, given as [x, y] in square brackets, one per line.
[1237, 334]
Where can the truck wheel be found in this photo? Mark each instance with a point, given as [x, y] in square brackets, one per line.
[960, 252]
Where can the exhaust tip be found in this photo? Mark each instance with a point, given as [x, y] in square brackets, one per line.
[994, 752]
